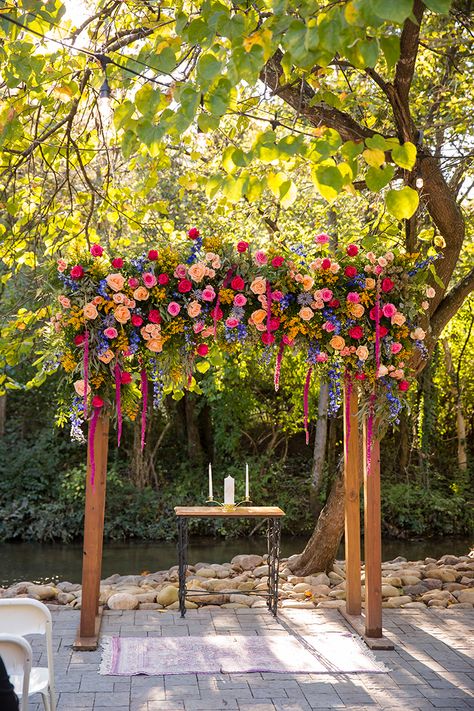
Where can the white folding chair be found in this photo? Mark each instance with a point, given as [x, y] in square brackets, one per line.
[17, 656]
[22, 616]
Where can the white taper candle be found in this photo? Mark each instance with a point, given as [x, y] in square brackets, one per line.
[210, 482]
[247, 488]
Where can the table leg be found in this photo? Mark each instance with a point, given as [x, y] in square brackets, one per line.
[182, 562]
[274, 537]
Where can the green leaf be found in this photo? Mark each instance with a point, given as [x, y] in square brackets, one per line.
[207, 123]
[288, 194]
[440, 6]
[147, 100]
[207, 69]
[219, 97]
[405, 155]
[393, 10]
[376, 141]
[390, 45]
[165, 61]
[403, 203]
[328, 181]
[378, 178]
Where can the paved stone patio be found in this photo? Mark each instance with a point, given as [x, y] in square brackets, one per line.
[431, 667]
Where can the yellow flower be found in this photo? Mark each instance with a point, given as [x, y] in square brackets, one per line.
[226, 296]
[68, 362]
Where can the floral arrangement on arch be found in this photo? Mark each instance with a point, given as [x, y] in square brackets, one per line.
[159, 316]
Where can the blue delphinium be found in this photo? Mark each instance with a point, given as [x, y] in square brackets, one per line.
[335, 391]
[76, 419]
[195, 250]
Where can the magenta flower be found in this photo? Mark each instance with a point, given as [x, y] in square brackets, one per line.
[240, 300]
[173, 308]
[260, 257]
[111, 332]
[322, 238]
[208, 294]
[396, 348]
[149, 279]
[232, 322]
[389, 310]
[96, 250]
[326, 294]
[353, 297]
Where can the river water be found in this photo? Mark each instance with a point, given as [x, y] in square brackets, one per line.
[44, 563]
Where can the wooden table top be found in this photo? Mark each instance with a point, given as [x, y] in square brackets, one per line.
[220, 512]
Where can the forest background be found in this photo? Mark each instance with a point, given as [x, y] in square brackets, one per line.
[265, 121]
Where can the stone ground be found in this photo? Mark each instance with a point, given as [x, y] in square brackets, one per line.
[431, 667]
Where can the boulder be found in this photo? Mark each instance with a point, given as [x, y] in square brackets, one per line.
[448, 560]
[301, 587]
[330, 604]
[187, 604]
[432, 583]
[319, 579]
[462, 606]
[415, 590]
[246, 585]
[247, 600]
[410, 580]
[210, 599]
[122, 601]
[206, 573]
[414, 605]
[335, 578]
[64, 598]
[261, 571]
[466, 596]
[394, 602]
[247, 562]
[396, 582]
[390, 591]
[298, 605]
[68, 587]
[146, 597]
[234, 606]
[443, 574]
[167, 596]
[42, 592]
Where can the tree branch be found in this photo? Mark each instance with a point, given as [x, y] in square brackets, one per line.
[450, 304]
[409, 41]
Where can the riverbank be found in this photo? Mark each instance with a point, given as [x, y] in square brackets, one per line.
[446, 582]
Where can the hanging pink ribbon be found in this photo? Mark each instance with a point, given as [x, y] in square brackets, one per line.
[86, 370]
[305, 402]
[92, 429]
[370, 432]
[371, 415]
[377, 328]
[144, 389]
[279, 358]
[118, 401]
[225, 283]
[347, 413]
[269, 306]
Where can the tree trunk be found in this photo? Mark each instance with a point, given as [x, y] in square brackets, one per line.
[319, 456]
[3, 414]
[195, 452]
[321, 549]
[460, 420]
[404, 445]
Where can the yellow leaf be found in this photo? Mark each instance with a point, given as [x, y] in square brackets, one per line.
[63, 93]
[374, 157]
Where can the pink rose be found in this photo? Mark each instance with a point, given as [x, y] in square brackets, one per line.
[163, 279]
[430, 292]
[180, 271]
[277, 262]
[378, 269]
[111, 332]
[240, 300]
[396, 348]
[389, 310]
[242, 247]
[96, 250]
[277, 295]
[326, 294]
[328, 327]
[198, 327]
[353, 297]
[77, 272]
[232, 322]
[149, 279]
[322, 238]
[133, 282]
[322, 358]
[202, 349]
[208, 294]
[260, 257]
[173, 308]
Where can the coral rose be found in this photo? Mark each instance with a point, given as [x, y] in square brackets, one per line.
[90, 311]
[258, 316]
[80, 385]
[62, 265]
[307, 282]
[259, 285]
[418, 334]
[197, 271]
[115, 281]
[398, 319]
[306, 313]
[357, 310]
[370, 283]
[141, 294]
[64, 301]
[155, 345]
[362, 352]
[430, 292]
[194, 309]
[107, 356]
[122, 314]
[382, 371]
[337, 342]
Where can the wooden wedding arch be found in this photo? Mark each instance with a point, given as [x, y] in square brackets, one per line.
[368, 624]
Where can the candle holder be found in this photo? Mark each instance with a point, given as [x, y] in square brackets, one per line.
[228, 507]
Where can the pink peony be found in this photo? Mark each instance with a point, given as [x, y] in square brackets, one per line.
[328, 327]
[277, 262]
[163, 279]
[111, 332]
[232, 322]
[77, 272]
[242, 247]
[387, 285]
[137, 320]
[237, 283]
[96, 250]
[353, 297]
[240, 300]
[322, 238]
[173, 308]
[389, 310]
[149, 279]
[184, 286]
[326, 295]
[153, 255]
[260, 257]
[117, 263]
[133, 282]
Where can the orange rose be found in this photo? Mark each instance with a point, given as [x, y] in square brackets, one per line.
[259, 285]
[141, 294]
[197, 271]
[122, 314]
[90, 311]
[119, 298]
[306, 313]
[115, 281]
[357, 310]
[107, 356]
[370, 283]
[155, 345]
[145, 334]
[337, 342]
[308, 282]
[79, 387]
[258, 316]
[362, 352]
[194, 309]
[398, 319]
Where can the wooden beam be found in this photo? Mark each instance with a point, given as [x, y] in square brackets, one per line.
[372, 537]
[357, 624]
[352, 500]
[89, 628]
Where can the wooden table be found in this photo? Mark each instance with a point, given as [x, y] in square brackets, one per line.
[273, 515]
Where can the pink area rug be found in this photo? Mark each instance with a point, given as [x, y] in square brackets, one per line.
[334, 653]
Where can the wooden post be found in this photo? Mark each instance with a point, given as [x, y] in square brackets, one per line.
[352, 500]
[87, 638]
[372, 539]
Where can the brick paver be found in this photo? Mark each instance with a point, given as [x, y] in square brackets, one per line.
[431, 667]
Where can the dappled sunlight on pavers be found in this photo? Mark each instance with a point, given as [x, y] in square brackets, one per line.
[430, 668]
